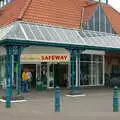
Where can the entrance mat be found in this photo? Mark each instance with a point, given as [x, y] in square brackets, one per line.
[13, 101]
[75, 95]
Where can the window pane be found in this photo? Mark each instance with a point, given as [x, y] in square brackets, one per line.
[85, 73]
[85, 57]
[97, 73]
[98, 58]
[97, 20]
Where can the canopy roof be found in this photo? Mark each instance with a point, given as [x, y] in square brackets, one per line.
[34, 32]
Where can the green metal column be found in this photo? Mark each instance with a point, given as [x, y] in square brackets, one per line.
[18, 71]
[8, 76]
[16, 51]
[79, 72]
[18, 75]
[73, 68]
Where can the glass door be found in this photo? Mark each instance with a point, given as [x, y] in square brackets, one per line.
[41, 75]
[45, 74]
[50, 74]
[38, 71]
[38, 77]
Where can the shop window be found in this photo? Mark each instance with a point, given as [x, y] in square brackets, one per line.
[91, 69]
[85, 73]
[97, 58]
[115, 71]
[85, 57]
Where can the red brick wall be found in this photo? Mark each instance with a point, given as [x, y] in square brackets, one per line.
[111, 58]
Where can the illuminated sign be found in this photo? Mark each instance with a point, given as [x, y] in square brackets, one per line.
[45, 58]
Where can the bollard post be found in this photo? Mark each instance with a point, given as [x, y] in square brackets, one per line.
[116, 100]
[57, 99]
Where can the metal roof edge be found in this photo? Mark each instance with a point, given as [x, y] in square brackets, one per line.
[80, 47]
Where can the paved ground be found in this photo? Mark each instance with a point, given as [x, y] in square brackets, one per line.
[96, 105]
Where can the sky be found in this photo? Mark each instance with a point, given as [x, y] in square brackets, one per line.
[115, 4]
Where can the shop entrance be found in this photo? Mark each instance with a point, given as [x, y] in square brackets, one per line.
[31, 68]
[60, 75]
[50, 74]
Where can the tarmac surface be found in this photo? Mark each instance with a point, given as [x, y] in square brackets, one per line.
[96, 105]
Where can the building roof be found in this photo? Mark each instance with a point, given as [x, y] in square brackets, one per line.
[66, 13]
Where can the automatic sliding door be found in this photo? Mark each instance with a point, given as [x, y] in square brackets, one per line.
[50, 75]
[38, 71]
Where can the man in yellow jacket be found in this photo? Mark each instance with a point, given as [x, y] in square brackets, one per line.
[24, 81]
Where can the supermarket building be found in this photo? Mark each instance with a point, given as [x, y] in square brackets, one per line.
[63, 43]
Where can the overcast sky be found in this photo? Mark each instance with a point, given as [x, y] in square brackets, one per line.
[115, 4]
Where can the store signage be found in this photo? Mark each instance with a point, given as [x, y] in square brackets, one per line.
[45, 58]
[54, 57]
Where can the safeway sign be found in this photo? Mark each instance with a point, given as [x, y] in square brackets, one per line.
[45, 58]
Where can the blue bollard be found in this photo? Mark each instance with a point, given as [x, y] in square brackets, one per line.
[57, 99]
[116, 100]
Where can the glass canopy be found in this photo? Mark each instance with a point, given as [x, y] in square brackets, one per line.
[42, 33]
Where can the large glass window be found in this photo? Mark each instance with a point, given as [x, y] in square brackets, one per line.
[92, 69]
[85, 73]
[99, 22]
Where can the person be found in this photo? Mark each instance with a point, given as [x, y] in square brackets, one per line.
[24, 81]
[29, 74]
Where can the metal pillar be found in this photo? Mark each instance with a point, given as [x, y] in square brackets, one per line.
[57, 99]
[116, 99]
[18, 75]
[69, 75]
[75, 76]
[16, 51]
[78, 69]
[76, 83]
[79, 72]
[8, 76]
[18, 71]
[73, 69]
